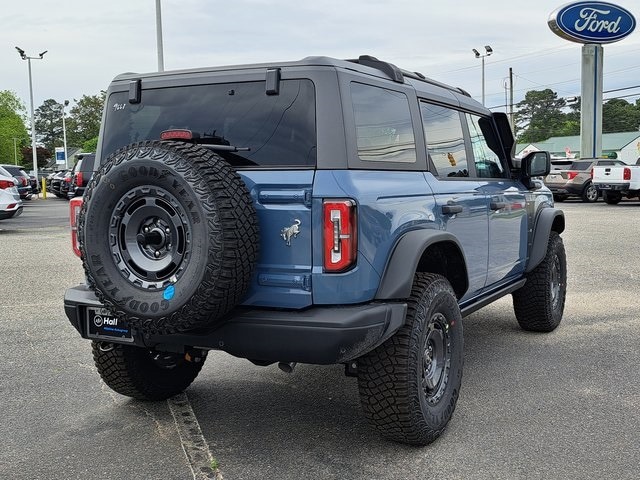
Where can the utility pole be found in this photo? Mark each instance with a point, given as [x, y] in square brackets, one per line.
[511, 117]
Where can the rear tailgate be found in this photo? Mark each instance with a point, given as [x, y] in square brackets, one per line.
[607, 175]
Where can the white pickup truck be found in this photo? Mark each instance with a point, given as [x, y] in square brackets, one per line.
[617, 181]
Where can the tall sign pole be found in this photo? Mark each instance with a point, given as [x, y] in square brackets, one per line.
[592, 24]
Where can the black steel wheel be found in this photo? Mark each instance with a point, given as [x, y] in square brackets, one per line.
[410, 384]
[168, 235]
[539, 304]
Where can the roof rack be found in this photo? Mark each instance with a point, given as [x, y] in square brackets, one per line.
[397, 74]
[393, 72]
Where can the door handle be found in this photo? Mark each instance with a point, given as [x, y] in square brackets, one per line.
[498, 205]
[451, 209]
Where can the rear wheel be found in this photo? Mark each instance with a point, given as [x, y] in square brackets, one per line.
[145, 374]
[410, 384]
[539, 304]
[590, 193]
[611, 198]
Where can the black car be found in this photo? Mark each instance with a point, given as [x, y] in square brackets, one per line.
[65, 184]
[82, 173]
[56, 183]
[23, 179]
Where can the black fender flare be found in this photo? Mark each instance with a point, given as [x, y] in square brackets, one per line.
[398, 275]
[548, 219]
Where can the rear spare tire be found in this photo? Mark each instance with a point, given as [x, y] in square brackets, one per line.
[168, 235]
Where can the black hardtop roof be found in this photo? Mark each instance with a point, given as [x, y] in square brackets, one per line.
[364, 64]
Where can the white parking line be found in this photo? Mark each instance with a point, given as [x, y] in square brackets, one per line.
[193, 442]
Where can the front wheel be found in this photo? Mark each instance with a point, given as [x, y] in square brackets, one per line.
[539, 304]
[145, 374]
[410, 384]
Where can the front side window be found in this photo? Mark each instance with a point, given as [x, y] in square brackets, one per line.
[485, 147]
[384, 131]
[277, 130]
[445, 140]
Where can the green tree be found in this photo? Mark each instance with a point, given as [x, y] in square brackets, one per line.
[539, 116]
[48, 119]
[84, 119]
[13, 133]
[618, 115]
[90, 145]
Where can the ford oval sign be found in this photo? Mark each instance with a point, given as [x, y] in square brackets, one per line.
[592, 22]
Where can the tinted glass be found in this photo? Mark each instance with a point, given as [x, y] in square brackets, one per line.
[485, 146]
[279, 130]
[384, 131]
[445, 140]
[580, 165]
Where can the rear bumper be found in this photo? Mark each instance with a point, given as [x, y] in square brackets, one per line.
[618, 187]
[318, 335]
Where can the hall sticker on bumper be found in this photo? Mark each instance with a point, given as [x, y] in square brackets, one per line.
[101, 324]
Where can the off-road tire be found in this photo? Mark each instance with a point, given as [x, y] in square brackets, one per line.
[611, 198]
[590, 193]
[539, 304]
[144, 374]
[204, 261]
[401, 397]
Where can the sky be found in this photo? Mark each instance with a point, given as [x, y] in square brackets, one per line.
[88, 42]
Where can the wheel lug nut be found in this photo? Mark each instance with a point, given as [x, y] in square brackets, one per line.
[146, 229]
[167, 230]
[156, 253]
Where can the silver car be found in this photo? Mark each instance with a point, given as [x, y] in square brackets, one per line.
[10, 203]
[575, 179]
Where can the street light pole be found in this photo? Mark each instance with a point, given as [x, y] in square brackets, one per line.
[64, 135]
[24, 56]
[488, 51]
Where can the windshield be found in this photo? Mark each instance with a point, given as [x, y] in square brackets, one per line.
[277, 130]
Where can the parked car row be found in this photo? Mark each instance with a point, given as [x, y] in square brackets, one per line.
[23, 180]
[72, 183]
[573, 179]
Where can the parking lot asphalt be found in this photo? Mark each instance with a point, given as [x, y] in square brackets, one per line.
[558, 405]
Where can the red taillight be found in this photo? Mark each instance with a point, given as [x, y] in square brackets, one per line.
[78, 180]
[75, 204]
[626, 174]
[6, 184]
[340, 239]
[571, 175]
[11, 205]
[176, 134]
[591, 174]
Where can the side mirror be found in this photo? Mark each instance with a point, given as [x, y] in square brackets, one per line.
[536, 164]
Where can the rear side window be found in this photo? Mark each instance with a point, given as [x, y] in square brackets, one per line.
[279, 130]
[580, 165]
[445, 140]
[384, 130]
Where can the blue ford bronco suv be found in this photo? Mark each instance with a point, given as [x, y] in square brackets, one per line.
[319, 211]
